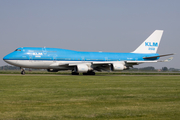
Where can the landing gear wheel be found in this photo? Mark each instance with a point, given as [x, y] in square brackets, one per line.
[23, 72]
[89, 73]
[75, 73]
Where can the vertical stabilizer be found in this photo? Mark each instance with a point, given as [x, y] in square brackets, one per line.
[151, 44]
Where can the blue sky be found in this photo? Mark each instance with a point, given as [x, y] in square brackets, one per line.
[89, 25]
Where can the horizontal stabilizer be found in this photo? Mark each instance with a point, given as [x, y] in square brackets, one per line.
[167, 60]
[157, 56]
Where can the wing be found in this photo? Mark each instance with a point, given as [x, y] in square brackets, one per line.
[139, 62]
[122, 65]
[84, 66]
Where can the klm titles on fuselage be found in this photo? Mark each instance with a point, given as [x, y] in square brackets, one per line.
[151, 44]
[37, 54]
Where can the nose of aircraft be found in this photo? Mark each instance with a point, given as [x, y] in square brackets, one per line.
[6, 57]
[9, 59]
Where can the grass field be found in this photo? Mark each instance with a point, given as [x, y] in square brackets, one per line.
[97, 73]
[89, 97]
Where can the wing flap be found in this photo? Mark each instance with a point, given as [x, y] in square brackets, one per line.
[101, 63]
[138, 62]
[141, 61]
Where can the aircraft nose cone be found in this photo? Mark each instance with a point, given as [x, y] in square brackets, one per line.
[6, 57]
[9, 56]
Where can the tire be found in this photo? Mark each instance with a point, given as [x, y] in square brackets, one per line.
[23, 72]
[74, 73]
[89, 73]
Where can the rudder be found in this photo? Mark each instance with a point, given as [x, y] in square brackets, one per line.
[151, 44]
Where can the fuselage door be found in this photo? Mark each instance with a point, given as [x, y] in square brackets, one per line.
[30, 58]
[44, 50]
[83, 58]
[54, 59]
[106, 58]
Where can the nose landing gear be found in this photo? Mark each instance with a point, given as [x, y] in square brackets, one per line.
[22, 71]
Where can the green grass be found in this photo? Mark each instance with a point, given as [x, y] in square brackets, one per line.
[89, 97]
[97, 73]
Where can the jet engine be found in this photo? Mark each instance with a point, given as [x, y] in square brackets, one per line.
[83, 68]
[52, 70]
[118, 66]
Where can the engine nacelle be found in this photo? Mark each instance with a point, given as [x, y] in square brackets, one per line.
[82, 68]
[52, 70]
[118, 66]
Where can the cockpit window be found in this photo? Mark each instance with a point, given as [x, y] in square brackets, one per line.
[18, 50]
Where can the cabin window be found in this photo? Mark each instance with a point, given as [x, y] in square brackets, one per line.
[18, 50]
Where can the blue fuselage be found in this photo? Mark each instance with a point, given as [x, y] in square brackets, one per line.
[57, 54]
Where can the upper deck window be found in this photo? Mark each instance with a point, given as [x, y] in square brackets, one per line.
[18, 50]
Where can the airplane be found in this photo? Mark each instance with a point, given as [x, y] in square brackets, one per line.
[56, 59]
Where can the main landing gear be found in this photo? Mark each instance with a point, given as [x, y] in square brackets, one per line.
[22, 71]
[74, 73]
[88, 73]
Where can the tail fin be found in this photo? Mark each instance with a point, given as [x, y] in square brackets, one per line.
[151, 44]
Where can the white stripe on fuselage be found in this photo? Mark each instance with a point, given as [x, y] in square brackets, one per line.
[42, 64]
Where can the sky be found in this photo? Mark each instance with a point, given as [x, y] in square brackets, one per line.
[90, 25]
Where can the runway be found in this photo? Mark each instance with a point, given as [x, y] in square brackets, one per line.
[76, 75]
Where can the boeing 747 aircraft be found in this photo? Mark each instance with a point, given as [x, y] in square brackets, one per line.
[56, 59]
